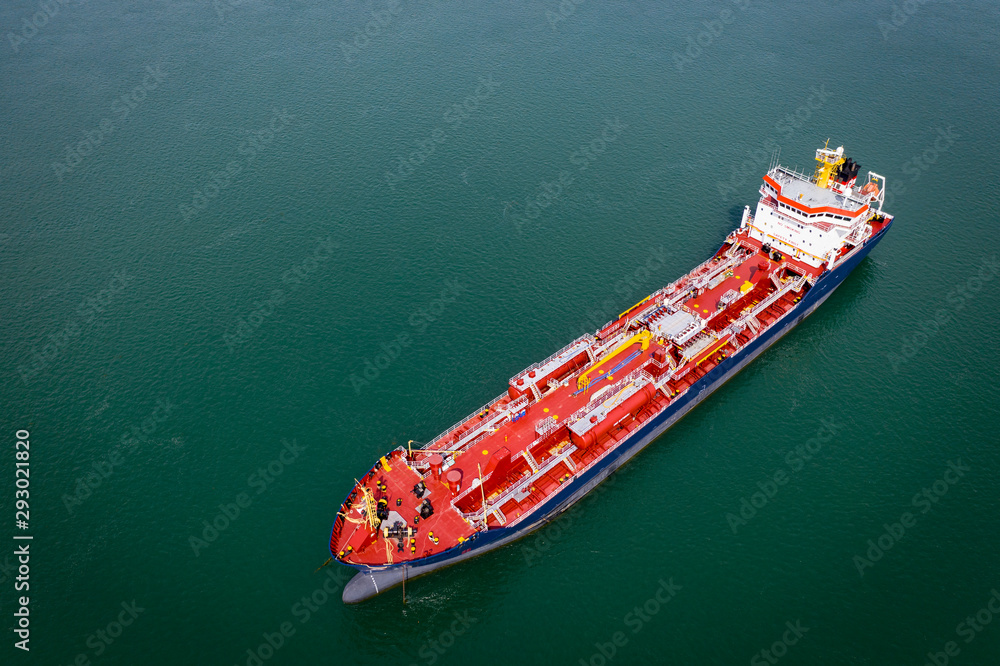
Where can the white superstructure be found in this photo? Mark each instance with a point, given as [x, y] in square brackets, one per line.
[815, 218]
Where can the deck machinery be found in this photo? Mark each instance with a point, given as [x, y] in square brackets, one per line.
[566, 423]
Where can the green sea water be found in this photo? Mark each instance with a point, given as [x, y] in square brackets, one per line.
[247, 246]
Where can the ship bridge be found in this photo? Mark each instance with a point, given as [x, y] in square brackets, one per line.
[815, 218]
[800, 190]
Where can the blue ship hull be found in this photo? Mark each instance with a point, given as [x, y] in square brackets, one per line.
[373, 580]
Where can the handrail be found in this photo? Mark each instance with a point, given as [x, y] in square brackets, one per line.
[643, 337]
[761, 231]
[543, 469]
[770, 300]
[637, 374]
[513, 406]
[534, 366]
[791, 173]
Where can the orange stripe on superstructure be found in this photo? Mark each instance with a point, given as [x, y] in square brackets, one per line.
[806, 209]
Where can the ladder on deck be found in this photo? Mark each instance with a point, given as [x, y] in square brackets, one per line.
[532, 463]
[370, 506]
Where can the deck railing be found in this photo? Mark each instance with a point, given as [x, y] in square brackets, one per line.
[743, 321]
[586, 337]
[512, 408]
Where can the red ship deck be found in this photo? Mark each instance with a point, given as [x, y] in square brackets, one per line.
[750, 271]
[446, 523]
[496, 466]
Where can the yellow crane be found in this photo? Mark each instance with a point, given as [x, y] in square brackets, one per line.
[642, 337]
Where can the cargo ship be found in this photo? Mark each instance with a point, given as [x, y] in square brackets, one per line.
[564, 424]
